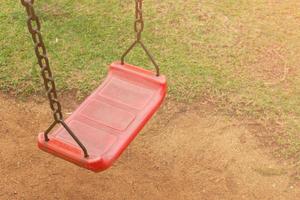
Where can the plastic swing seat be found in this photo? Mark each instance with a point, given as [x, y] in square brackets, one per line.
[100, 129]
[110, 118]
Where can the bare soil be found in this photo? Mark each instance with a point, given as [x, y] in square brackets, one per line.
[186, 152]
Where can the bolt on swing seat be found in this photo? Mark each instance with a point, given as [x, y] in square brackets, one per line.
[110, 118]
[100, 129]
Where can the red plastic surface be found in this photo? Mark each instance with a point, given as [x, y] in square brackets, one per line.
[110, 118]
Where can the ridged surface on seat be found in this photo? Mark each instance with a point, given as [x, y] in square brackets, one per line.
[109, 119]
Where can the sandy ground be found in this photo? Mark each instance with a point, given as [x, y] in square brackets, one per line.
[186, 152]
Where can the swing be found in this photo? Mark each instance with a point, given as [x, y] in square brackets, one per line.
[100, 129]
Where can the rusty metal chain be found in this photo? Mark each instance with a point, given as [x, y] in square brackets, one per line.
[34, 27]
[138, 28]
[139, 21]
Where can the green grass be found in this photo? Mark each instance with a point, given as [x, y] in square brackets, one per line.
[228, 50]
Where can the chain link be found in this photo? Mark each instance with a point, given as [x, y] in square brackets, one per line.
[139, 21]
[138, 28]
[34, 27]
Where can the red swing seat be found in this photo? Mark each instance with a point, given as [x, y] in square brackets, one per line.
[110, 118]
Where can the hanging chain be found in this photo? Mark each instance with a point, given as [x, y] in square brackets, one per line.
[34, 27]
[139, 21]
[138, 28]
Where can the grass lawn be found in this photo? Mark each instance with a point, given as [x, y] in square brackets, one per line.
[244, 56]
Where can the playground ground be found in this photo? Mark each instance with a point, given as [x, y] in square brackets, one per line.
[186, 152]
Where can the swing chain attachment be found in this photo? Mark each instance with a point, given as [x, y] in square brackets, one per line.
[138, 28]
[34, 27]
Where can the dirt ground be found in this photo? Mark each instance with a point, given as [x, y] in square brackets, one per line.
[186, 152]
